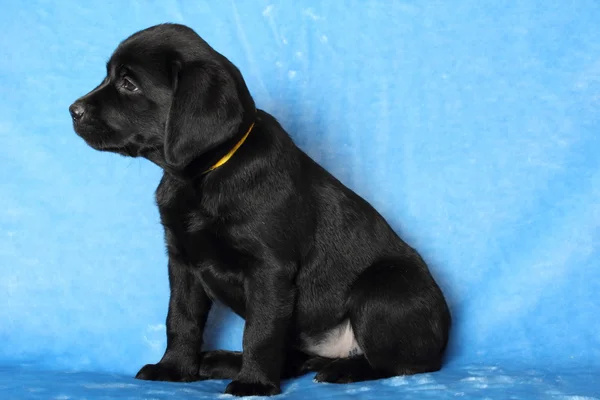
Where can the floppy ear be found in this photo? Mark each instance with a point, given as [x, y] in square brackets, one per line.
[206, 111]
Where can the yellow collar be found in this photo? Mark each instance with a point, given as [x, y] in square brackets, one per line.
[231, 152]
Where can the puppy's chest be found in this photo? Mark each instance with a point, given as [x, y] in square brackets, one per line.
[191, 230]
[205, 242]
[198, 244]
[197, 238]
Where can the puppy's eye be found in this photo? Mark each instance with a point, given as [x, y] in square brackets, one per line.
[128, 85]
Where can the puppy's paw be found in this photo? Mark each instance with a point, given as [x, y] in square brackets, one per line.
[314, 364]
[334, 373]
[168, 372]
[220, 364]
[239, 388]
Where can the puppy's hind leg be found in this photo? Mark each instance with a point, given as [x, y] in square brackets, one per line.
[400, 320]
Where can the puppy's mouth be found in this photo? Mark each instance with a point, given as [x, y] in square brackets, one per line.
[90, 133]
[98, 137]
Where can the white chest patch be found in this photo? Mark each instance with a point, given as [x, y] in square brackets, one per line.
[339, 342]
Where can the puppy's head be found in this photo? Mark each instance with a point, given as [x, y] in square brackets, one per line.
[167, 96]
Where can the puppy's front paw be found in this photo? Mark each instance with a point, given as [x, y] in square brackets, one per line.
[239, 388]
[167, 372]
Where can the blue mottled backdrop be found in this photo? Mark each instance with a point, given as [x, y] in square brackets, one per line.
[472, 126]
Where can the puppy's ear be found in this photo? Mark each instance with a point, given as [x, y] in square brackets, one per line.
[205, 112]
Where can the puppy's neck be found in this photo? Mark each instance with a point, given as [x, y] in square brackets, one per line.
[207, 162]
[231, 152]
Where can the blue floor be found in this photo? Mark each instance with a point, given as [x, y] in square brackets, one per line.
[473, 127]
[470, 382]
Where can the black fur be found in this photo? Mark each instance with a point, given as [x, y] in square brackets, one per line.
[270, 233]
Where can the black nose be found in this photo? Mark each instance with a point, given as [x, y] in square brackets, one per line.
[77, 110]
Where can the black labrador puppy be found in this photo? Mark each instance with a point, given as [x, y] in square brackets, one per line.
[323, 282]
